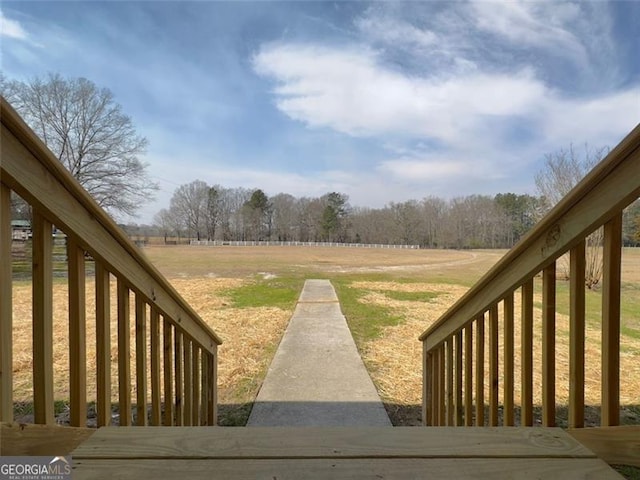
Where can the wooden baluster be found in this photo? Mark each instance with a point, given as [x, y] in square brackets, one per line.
[549, 346]
[167, 358]
[188, 378]
[611, 282]
[103, 345]
[480, 371]
[141, 361]
[442, 387]
[77, 335]
[436, 387]
[509, 354]
[212, 396]
[124, 352]
[178, 376]
[6, 308]
[205, 386]
[42, 320]
[427, 386]
[493, 365]
[156, 394]
[576, 335]
[458, 384]
[435, 380]
[449, 373]
[195, 409]
[526, 403]
[468, 375]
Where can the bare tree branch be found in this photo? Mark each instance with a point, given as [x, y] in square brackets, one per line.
[87, 131]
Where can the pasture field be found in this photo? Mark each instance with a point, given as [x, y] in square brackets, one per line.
[247, 295]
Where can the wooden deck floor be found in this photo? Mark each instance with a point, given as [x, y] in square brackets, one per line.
[335, 453]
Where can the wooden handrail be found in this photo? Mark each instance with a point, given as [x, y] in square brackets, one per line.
[26, 166]
[606, 190]
[32, 171]
[597, 201]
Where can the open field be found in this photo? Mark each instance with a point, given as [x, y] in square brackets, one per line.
[247, 295]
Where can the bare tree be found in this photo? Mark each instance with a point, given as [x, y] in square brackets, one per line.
[562, 171]
[91, 136]
[169, 223]
[285, 225]
[213, 211]
[189, 202]
[407, 222]
[433, 211]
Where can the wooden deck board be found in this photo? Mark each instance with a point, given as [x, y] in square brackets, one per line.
[335, 452]
[335, 442]
[615, 445]
[309, 469]
[28, 440]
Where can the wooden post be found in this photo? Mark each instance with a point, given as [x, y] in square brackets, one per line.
[42, 320]
[167, 340]
[103, 345]
[442, 387]
[526, 403]
[212, 406]
[141, 361]
[6, 308]
[178, 375]
[435, 380]
[187, 404]
[77, 335]
[576, 336]
[480, 371]
[549, 346]
[205, 386]
[156, 397]
[124, 350]
[468, 375]
[195, 371]
[509, 314]
[427, 386]
[450, 396]
[611, 322]
[493, 365]
[458, 383]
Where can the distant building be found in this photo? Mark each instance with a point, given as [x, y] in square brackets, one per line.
[20, 230]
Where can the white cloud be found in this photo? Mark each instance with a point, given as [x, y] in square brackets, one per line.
[597, 120]
[530, 23]
[413, 170]
[11, 28]
[389, 30]
[350, 91]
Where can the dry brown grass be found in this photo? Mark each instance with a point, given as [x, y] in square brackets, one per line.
[241, 262]
[251, 334]
[395, 358]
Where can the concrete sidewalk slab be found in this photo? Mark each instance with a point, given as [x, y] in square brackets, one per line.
[317, 377]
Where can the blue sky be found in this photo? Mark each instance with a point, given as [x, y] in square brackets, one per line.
[382, 101]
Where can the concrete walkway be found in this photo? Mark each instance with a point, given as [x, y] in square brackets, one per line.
[317, 377]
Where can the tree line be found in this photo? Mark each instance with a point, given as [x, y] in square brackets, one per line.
[97, 142]
[213, 212]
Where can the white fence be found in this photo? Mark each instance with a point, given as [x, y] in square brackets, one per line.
[219, 243]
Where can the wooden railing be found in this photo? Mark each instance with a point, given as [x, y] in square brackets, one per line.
[456, 370]
[175, 351]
